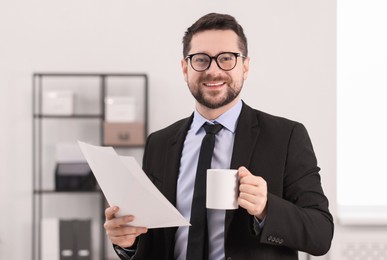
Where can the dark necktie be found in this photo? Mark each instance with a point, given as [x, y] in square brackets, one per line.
[197, 248]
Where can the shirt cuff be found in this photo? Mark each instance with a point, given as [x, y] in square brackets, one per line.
[124, 253]
[258, 224]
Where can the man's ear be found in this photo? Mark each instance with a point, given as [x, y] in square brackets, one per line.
[184, 67]
[246, 66]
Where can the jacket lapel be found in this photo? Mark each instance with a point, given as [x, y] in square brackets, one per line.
[246, 136]
[174, 151]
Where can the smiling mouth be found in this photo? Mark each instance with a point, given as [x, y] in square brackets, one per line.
[214, 84]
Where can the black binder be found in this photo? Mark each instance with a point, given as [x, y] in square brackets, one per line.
[75, 240]
[83, 235]
[66, 240]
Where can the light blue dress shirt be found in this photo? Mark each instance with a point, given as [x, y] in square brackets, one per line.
[221, 159]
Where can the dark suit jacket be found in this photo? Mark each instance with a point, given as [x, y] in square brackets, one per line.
[275, 148]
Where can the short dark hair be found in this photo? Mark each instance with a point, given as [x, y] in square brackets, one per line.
[214, 21]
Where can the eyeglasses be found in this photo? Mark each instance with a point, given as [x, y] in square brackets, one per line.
[225, 60]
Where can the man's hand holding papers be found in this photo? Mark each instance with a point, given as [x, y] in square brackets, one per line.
[118, 229]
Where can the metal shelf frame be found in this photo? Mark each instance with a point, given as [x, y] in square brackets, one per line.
[37, 150]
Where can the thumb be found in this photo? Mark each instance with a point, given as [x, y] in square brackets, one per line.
[243, 172]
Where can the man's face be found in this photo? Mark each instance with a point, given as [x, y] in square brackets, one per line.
[214, 87]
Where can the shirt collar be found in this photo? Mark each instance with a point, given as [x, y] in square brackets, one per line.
[228, 119]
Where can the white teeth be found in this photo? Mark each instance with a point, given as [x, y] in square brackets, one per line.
[214, 84]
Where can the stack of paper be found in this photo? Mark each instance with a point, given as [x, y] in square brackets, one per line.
[125, 185]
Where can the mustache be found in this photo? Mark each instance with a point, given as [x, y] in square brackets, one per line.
[211, 78]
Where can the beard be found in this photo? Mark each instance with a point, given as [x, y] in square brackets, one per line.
[210, 99]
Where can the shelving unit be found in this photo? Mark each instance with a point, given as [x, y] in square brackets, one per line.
[73, 106]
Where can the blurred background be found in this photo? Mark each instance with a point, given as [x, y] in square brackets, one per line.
[293, 45]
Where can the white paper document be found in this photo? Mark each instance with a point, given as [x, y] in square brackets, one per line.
[125, 185]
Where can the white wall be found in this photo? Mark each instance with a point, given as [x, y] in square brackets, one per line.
[292, 50]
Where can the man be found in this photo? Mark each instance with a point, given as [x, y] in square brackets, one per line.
[282, 207]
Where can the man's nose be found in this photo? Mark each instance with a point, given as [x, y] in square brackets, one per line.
[214, 68]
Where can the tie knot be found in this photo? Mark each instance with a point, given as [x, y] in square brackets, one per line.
[212, 129]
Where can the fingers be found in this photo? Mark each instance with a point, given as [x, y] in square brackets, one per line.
[254, 204]
[118, 230]
[252, 193]
[126, 230]
[247, 179]
[125, 236]
[109, 212]
[118, 222]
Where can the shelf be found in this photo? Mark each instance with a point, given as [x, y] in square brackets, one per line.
[76, 74]
[80, 110]
[124, 146]
[39, 116]
[66, 192]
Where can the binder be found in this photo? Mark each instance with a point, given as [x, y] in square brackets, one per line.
[66, 240]
[82, 231]
[75, 240]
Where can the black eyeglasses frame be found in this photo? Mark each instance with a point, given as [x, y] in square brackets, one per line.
[236, 54]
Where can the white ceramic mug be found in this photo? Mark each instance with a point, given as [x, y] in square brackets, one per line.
[222, 189]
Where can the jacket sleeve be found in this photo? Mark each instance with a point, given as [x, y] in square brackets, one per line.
[300, 219]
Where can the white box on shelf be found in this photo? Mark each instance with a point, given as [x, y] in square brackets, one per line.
[58, 103]
[120, 109]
